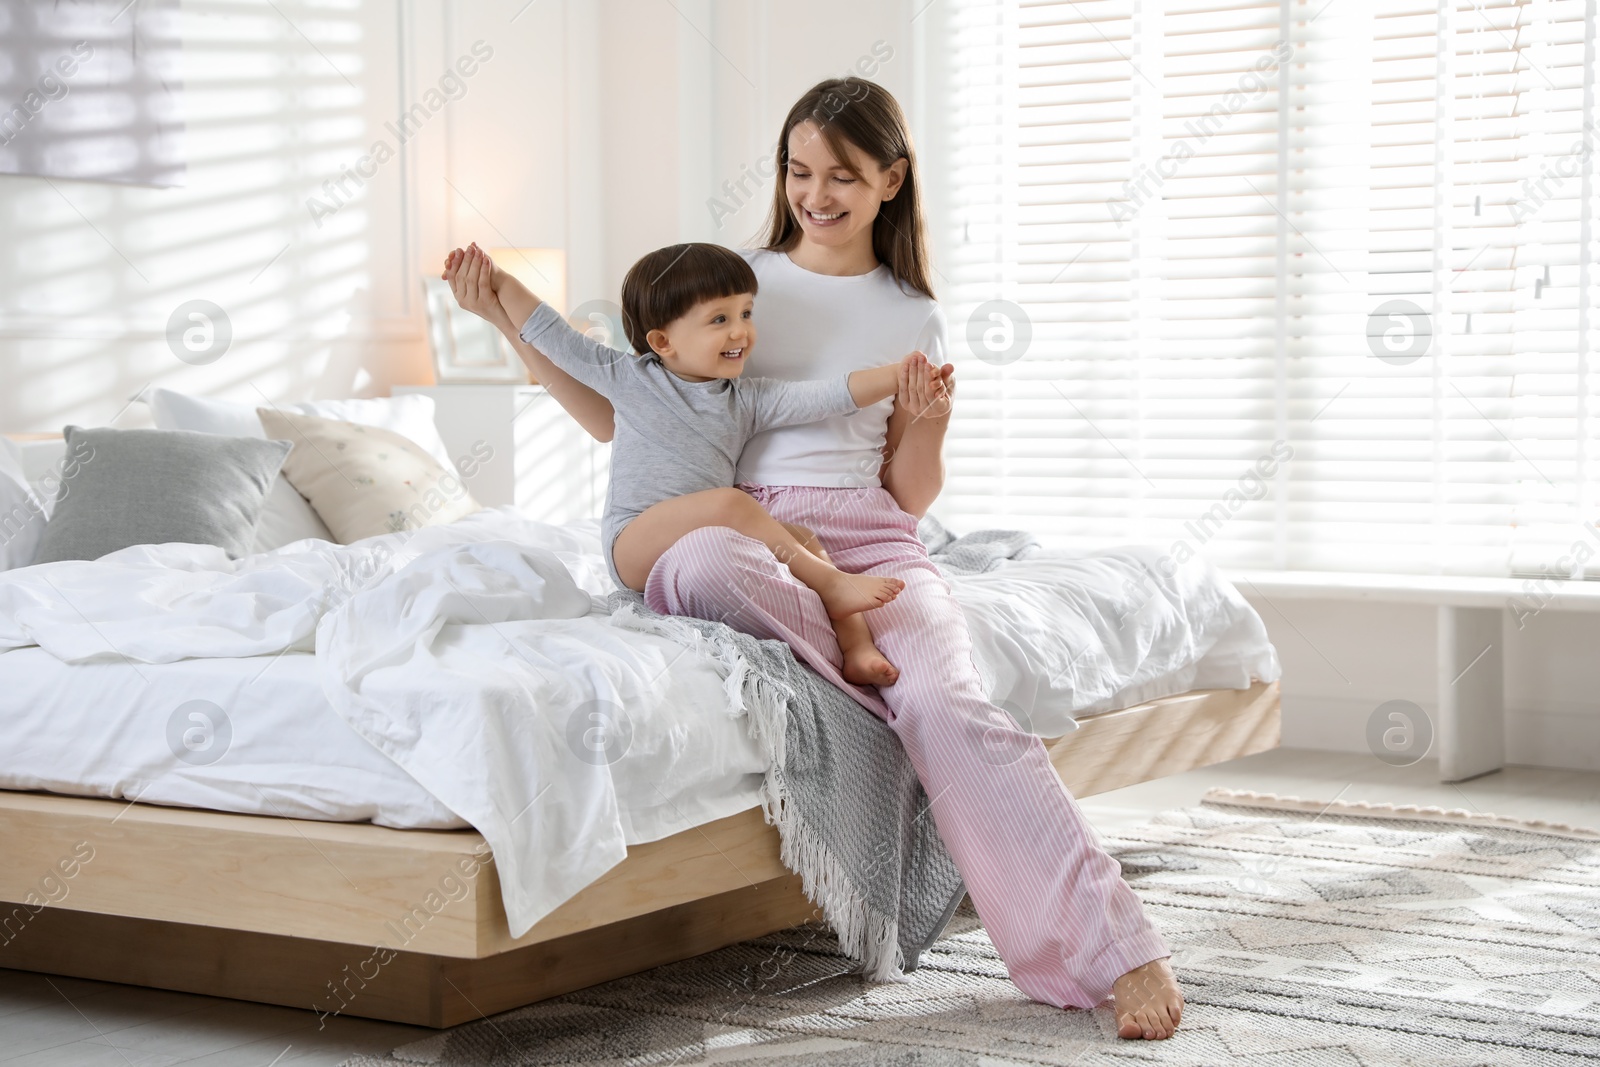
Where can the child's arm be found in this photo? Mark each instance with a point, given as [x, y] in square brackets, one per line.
[878, 383]
[541, 327]
[776, 403]
[514, 296]
[470, 274]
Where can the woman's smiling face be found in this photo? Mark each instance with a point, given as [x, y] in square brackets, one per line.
[833, 206]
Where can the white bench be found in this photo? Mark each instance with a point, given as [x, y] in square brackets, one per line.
[1471, 686]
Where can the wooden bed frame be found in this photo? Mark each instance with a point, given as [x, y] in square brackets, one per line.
[288, 911]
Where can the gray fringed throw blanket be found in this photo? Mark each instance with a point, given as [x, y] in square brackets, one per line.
[853, 818]
[977, 552]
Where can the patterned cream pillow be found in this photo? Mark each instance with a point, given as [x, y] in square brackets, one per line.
[364, 480]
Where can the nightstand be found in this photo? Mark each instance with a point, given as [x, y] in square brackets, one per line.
[538, 459]
[39, 455]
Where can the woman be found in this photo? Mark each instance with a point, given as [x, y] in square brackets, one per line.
[844, 285]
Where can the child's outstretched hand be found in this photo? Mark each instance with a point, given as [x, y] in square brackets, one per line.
[474, 280]
[925, 390]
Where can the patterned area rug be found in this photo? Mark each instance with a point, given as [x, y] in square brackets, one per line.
[1305, 933]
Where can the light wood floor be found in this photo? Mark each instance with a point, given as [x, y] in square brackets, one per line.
[64, 1022]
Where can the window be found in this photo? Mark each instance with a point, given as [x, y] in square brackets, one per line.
[1287, 284]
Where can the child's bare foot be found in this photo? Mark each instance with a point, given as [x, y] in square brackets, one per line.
[849, 594]
[865, 665]
[1149, 1001]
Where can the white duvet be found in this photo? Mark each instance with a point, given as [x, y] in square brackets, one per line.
[476, 657]
[1062, 635]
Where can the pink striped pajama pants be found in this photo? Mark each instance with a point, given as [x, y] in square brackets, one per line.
[1052, 900]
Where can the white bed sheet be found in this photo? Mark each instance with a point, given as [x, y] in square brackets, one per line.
[101, 730]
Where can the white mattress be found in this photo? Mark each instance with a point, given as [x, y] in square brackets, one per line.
[102, 730]
[1056, 636]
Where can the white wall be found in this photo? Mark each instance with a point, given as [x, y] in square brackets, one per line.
[1343, 659]
[693, 96]
[323, 300]
[92, 272]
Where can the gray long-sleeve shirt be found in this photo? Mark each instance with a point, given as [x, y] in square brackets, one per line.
[673, 436]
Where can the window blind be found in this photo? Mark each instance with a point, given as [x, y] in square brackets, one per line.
[1286, 284]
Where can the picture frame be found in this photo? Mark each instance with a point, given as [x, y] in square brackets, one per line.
[465, 347]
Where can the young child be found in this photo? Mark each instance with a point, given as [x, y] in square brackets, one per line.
[683, 416]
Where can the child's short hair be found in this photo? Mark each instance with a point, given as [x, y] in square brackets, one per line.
[666, 283]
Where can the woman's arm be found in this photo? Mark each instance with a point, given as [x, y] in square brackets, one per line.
[913, 452]
[470, 281]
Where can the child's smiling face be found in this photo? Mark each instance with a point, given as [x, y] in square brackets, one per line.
[711, 340]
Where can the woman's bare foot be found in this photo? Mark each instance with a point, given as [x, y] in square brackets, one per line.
[1149, 1001]
[865, 665]
[849, 594]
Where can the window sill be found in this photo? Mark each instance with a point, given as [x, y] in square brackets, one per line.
[1519, 594]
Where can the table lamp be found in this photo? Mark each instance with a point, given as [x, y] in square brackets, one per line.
[542, 270]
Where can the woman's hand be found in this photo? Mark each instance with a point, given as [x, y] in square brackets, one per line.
[472, 277]
[913, 460]
[925, 391]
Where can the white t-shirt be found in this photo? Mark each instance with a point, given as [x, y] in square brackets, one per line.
[811, 325]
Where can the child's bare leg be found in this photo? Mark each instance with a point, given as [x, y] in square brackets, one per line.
[863, 663]
[659, 527]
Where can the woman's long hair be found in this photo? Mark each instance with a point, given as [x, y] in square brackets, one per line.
[864, 114]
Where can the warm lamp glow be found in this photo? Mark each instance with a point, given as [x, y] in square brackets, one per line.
[542, 270]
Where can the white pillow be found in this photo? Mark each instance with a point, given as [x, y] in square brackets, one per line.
[176, 411]
[22, 515]
[288, 516]
[410, 415]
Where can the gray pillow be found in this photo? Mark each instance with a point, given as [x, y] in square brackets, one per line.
[148, 487]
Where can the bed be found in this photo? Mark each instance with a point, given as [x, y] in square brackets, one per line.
[273, 874]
